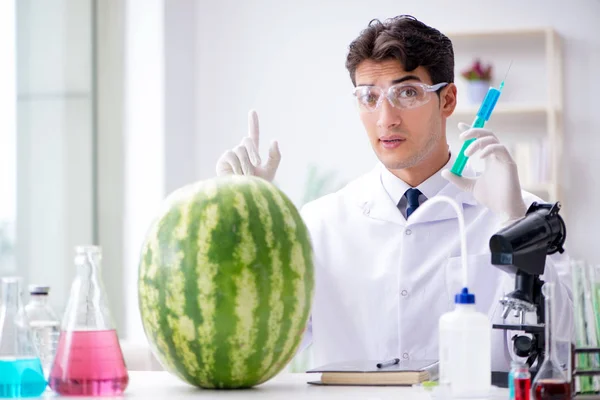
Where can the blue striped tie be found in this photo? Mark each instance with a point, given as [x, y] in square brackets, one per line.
[412, 195]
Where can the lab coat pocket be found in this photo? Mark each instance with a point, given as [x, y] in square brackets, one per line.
[483, 278]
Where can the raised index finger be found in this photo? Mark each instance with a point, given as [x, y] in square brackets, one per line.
[253, 127]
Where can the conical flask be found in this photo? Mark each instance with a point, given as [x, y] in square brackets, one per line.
[550, 382]
[21, 373]
[88, 360]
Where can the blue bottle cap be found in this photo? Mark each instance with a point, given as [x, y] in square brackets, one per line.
[464, 297]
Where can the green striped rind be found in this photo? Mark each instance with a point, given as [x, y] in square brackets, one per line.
[246, 302]
[226, 282]
[275, 278]
[150, 297]
[295, 266]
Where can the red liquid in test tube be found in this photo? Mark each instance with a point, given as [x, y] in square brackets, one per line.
[522, 388]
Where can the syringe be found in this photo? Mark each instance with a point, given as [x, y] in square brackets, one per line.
[483, 115]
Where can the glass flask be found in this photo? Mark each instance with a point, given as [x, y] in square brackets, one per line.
[21, 373]
[44, 324]
[550, 382]
[89, 360]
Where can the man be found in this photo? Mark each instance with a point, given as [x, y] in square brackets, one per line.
[383, 275]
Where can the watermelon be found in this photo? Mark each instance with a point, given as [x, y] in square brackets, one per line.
[226, 282]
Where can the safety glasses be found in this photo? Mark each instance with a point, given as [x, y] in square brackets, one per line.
[403, 95]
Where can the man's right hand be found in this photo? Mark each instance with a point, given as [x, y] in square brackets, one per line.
[245, 159]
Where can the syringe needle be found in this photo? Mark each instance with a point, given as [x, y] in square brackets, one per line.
[505, 75]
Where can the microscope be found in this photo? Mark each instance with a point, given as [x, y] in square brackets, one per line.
[521, 249]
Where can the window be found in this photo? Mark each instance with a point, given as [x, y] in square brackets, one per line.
[53, 147]
[8, 149]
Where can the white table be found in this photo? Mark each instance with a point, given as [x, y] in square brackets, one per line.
[285, 386]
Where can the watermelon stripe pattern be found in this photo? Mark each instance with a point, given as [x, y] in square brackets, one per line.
[226, 281]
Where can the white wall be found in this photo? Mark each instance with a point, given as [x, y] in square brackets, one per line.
[180, 93]
[144, 139]
[287, 60]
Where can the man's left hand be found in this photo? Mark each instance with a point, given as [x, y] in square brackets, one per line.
[498, 187]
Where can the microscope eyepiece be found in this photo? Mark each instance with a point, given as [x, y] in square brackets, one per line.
[525, 243]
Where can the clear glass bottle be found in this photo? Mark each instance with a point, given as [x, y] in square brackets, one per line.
[21, 373]
[44, 324]
[89, 360]
[550, 382]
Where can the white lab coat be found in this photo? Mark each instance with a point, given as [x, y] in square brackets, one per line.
[383, 282]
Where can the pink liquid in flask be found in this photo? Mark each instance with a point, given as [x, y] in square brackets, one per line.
[89, 363]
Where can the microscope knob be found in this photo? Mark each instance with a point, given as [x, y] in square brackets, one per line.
[523, 346]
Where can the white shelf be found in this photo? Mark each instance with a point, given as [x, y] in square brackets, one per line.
[538, 50]
[537, 31]
[504, 109]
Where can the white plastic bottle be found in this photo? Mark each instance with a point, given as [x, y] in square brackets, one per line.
[465, 349]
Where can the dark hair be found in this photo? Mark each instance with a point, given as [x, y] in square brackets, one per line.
[408, 40]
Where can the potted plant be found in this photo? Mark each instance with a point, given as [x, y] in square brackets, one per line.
[479, 77]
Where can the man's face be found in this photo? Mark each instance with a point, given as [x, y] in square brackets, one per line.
[403, 138]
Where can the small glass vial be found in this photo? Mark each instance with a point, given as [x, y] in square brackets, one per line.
[511, 384]
[44, 324]
[521, 380]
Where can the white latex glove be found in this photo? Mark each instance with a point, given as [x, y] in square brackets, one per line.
[245, 159]
[498, 187]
